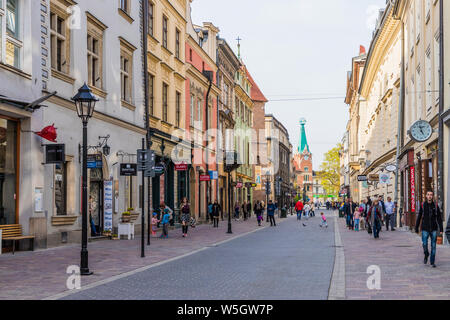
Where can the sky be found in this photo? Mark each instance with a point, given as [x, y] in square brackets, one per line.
[298, 49]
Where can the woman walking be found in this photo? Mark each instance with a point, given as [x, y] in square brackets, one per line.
[216, 209]
[236, 211]
[185, 216]
[259, 212]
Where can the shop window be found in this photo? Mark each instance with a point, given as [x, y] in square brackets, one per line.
[165, 102]
[60, 188]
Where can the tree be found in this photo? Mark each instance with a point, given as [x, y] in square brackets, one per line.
[330, 167]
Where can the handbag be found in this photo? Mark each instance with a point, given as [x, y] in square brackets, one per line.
[369, 228]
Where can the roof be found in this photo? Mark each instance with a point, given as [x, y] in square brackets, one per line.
[256, 93]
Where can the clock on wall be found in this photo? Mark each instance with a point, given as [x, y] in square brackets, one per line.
[421, 131]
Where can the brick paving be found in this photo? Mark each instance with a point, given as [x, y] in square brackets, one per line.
[399, 255]
[40, 274]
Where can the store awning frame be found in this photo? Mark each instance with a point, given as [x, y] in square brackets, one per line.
[24, 105]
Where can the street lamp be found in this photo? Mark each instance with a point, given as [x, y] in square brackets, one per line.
[85, 104]
[229, 167]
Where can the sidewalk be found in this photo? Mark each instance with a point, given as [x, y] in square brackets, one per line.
[40, 274]
[399, 255]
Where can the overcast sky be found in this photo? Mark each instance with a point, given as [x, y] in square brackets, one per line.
[298, 49]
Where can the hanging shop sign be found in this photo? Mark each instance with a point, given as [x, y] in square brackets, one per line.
[362, 178]
[108, 206]
[55, 153]
[239, 185]
[374, 177]
[214, 175]
[160, 168]
[385, 178]
[145, 159]
[181, 167]
[128, 169]
[205, 177]
[94, 161]
[391, 168]
[412, 174]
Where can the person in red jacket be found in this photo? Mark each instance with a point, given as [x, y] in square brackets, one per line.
[299, 209]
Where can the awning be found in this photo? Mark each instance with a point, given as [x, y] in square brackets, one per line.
[24, 105]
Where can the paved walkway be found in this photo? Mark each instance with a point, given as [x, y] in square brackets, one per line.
[40, 274]
[287, 262]
[399, 255]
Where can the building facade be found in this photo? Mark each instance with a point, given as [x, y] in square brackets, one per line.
[303, 166]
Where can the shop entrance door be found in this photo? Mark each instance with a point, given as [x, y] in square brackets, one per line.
[96, 203]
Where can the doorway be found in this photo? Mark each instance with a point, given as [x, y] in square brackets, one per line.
[96, 202]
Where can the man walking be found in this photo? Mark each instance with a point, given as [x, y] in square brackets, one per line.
[431, 219]
[349, 210]
[390, 217]
[271, 213]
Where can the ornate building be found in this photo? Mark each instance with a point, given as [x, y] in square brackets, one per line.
[303, 166]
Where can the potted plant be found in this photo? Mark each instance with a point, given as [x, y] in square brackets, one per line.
[126, 217]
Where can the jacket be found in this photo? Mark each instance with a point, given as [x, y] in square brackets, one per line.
[216, 209]
[349, 208]
[299, 206]
[431, 218]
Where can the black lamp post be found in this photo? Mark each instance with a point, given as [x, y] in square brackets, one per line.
[230, 165]
[85, 104]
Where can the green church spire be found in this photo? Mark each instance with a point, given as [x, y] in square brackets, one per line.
[303, 141]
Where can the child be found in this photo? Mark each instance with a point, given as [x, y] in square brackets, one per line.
[324, 221]
[358, 214]
[154, 223]
[165, 224]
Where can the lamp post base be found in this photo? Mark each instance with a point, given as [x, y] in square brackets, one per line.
[229, 229]
[86, 272]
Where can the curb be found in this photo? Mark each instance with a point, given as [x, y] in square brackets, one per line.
[337, 285]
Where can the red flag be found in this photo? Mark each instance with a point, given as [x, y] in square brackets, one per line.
[48, 133]
[362, 50]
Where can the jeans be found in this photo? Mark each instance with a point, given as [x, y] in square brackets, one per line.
[356, 224]
[376, 228]
[390, 218]
[350, 221]
[433, 236]
[272, 220]
[165, 230]
[299, 215]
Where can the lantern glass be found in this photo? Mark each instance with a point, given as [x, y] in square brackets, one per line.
[85, 103]
[106, 150]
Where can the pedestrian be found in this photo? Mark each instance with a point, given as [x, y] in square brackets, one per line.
[249, 210]
[162, 207]
[349, 210]
[165, 224]
[185, 216]
[312, 212]
[323, 222]
[244, 210]
[271, 207]
[210, 213]
[216, 209]
[306, 210]
[430, 218]
[154, 223]
[299, 209]
[358, 214]
[375, 217]
[258, 209]
[389, 206]
[236, 211]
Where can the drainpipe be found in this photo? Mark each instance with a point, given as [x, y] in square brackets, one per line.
[400, 129]
[209, 75]
[441, 184]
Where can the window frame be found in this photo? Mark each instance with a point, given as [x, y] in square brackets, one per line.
[177, 43]
[7, 39]
[64, 189]
[151, 18]
[165, 32]
[165, 102]
[177, 109]
[126, 74]
[95, 30]
[57, 11]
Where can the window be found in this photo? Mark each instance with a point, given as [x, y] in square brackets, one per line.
[95, 31]
[151, 92]
[165, 23]
[151, 8]
[306, 169]
[192, 110]
[126, 72]
[226, 94]
[125, 5]
[125, 78]
[177, 43]
[165, 100]
[199, 110]
[13, 43]
[59, 40]
[61, 189]
[178, 109]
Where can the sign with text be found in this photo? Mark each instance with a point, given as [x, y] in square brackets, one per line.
[128, 169]
[214, 175]
[412, 173]
[55, 153]
[108, 206]
[205, 177]
[362, 178]
[181, 167]
[94, 161]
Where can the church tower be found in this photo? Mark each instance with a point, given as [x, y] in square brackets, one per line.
[303, 166]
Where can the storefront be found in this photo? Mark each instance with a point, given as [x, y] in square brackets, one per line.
[9, 166]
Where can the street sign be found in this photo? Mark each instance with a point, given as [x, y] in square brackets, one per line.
[55, 153]
[239, 185]
[391, 168]
[145, 159]
[374, 177]
[205, 177]
[128, 169]
[362, 178]
[160, 168]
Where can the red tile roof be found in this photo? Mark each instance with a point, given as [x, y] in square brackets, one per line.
[256, 93]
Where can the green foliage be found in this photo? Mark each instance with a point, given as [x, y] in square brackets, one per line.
[330, 168]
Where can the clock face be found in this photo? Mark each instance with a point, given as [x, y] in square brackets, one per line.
[421, 131]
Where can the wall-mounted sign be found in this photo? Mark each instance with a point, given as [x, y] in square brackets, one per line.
[214, 175]
[412, 173]
[362, 178]
[391, 168]
[239, 185]
[385, 178]
[94, 161]
[160, 168]
[38, 200]
[128, 169]
[374, 177]
[55, 153]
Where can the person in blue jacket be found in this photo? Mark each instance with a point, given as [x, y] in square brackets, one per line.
[165, 224]
[271, 207]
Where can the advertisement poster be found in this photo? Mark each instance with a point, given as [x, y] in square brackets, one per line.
[108, 206]
[258, 178]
